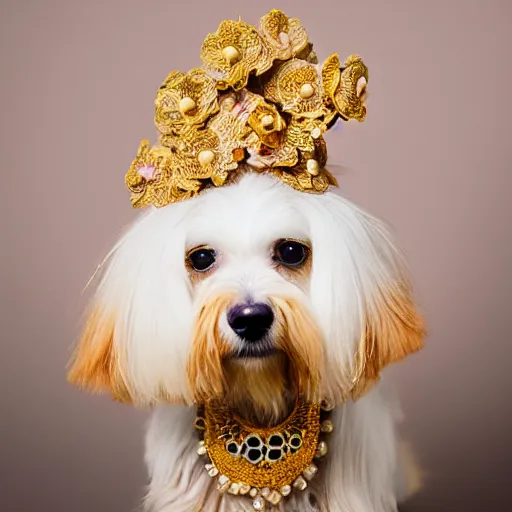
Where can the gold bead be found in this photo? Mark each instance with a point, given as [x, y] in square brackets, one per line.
[231, 54]
[361, 86]
[327, 427]
[327, 405]
[321, 450]
[267, 120]
[206, 157]
[187, 104]
[300, 484]
[313, 167]
[306, 91]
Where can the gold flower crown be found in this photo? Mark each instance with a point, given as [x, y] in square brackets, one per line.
[260, 99]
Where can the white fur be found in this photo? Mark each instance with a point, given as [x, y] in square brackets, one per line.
[147, 284]
[363, 472]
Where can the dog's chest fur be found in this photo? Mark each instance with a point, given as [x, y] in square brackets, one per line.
[364, 470]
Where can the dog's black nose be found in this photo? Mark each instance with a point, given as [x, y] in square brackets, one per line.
[250, 321]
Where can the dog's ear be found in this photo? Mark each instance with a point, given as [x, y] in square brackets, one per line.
[361, 293]
[393, 330]
[96, 365]
[136, 337]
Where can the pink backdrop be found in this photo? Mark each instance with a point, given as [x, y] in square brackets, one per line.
[77, 85]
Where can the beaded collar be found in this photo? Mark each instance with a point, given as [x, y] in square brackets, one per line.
[267, 464]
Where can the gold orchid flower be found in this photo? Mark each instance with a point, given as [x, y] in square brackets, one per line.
[154, 178]
[286, 37]
[201, 155]
[233, 52]
[184, 100]
[345, 86]
[297, 87]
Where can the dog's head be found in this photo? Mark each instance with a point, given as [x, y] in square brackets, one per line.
[251, 291]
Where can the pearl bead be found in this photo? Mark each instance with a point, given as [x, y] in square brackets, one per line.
[316, 132]
[300, 484]
[310, 472]
[267, 120]
[205, 157]
[306, 91]
[313, 167]
[212, 470]
[201, 448]
[223, 484]
[234, 489]
[187, 104]
[274, 497]
[258, 503]
[284, 38]
[361, 86]
[286, 490]
[231, 54]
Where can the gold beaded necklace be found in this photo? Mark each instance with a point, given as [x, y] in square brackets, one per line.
[265, 463]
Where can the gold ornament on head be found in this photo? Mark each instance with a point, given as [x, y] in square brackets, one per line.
[259, 102]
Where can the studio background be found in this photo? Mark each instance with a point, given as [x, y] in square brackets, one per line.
[77, 85]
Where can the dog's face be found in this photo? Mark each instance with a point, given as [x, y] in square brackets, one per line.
[254, 332]
[249, 291]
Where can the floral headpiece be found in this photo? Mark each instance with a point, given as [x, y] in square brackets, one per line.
[260, 99]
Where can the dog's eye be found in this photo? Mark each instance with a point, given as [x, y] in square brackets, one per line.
[202, 259]
[291, 253]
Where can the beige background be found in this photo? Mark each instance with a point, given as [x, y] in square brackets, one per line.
[78, 81]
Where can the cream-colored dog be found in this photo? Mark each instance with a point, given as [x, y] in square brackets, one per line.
[255, 318]
[323, 287]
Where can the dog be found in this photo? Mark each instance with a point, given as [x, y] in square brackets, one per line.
[251, 295]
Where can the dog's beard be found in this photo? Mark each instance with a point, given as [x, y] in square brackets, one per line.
[262, 386]
[260, 390]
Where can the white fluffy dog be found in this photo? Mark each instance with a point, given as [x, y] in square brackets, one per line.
[252, 308]
[321, 286]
